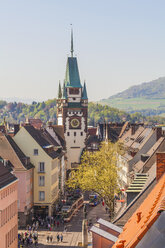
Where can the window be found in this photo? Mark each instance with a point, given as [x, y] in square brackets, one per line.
[41, 181]
[41, 167]
[18, 204]
[74, 141]
[68, 134]
[74, 133]
[41, 195]
[74, 98]
[81, 133]
[73, 91]
[35, 152]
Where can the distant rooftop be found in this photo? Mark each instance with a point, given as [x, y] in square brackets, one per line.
[103, 233]
[5, 176]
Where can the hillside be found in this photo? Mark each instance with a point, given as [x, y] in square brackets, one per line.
[148, 98]
[150, 90]
[17, 112]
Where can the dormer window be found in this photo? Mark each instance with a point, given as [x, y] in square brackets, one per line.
[35, 152]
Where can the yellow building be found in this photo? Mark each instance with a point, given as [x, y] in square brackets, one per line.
[45, 155]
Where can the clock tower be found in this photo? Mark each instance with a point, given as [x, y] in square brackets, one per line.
[72, 110]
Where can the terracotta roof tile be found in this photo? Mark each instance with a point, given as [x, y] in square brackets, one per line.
[148, 212]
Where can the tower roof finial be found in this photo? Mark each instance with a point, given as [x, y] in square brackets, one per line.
[71, 50]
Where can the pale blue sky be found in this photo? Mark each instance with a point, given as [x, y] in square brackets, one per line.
[118, 43]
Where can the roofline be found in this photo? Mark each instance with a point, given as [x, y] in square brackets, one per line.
[14, 181]
[133, 202]
[24, 168]
[40, 145]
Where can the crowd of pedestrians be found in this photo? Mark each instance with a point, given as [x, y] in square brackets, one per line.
[27, 238]
[49, 223]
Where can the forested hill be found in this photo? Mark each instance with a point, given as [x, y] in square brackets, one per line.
[146, 98]
[16, 112]
[153, 89]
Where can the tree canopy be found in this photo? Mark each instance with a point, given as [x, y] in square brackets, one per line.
[99, 172]
[17, 112]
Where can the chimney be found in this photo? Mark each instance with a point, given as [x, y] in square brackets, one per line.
[160, 164]
[158, 133]
[139, 216]
[120, 243]
[16, 128]
[50, 123]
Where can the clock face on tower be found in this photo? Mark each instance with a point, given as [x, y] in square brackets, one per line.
[75, 123]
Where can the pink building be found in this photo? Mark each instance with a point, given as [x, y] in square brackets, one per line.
[12, 155]
[8, 209]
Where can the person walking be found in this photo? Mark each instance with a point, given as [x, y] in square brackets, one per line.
[47, 239]
[58, 237]
[61, 237]
[51, 238]
[65, 228]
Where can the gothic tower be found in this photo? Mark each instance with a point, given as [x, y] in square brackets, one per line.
[72, 110]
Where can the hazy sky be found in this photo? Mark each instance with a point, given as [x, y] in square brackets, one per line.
[118, 43]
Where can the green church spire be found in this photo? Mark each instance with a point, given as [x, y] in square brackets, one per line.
[84, 93]
[72, 77]
[64, 95]
[59, 91]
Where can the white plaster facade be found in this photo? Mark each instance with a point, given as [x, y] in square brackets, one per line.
[74, 143]
[123, 171]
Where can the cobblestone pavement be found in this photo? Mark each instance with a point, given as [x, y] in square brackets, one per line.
[73, 235]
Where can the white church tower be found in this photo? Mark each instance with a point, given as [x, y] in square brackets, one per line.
[72, 111]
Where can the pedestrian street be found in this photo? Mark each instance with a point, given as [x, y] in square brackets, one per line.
[73, 236]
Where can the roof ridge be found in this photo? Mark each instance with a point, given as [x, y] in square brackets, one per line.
[135, 199]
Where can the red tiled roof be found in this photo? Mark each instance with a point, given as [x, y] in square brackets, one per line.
[36, 123]
[144, 217]
[92, 130]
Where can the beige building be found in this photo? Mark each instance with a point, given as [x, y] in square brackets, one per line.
[45, 155]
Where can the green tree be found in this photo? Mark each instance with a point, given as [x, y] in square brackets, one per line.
[98, 172]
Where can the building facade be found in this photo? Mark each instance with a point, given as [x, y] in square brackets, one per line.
[43, 152]
[72, 111]
[11, 154]
[8, 209]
